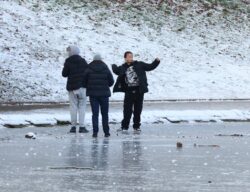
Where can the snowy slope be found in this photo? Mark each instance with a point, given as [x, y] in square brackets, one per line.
[204, 53]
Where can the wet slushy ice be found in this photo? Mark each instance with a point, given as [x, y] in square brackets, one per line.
[58, 162]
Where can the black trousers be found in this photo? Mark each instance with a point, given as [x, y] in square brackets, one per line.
[96, 104]
[133, 104]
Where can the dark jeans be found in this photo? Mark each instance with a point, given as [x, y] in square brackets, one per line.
[133, 103]
[96, 104]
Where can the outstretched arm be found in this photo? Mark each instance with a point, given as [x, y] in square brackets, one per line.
[115, 69]
[152, 66]
[65, 71]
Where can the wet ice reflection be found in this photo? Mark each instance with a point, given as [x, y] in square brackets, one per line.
[146, 162]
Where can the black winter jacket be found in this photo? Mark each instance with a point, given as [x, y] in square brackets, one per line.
[140, 68]
[98, 79]
[74, 68]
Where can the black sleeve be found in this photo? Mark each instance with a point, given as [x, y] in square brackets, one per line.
[116, 69]
[152, 66]
[65, 71]
[85, 78]
[85, 64]
[110, 79]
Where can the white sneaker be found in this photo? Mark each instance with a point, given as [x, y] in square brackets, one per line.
[125, 131]
[137, 131]
[119, 130]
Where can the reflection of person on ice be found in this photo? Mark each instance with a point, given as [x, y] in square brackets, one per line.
[132, 80]
[74, 68]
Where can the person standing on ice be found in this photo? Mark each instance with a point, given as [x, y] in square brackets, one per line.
[132, 80]
[98, 79]
[74, 68]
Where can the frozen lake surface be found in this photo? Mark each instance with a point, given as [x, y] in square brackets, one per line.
[146, 162]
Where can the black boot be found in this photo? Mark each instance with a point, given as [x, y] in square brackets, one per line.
[73, 130]
[94, 135]
[83, 130]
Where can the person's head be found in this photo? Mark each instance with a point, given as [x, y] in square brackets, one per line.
[128, 56]
[97, 57]
[73, 50]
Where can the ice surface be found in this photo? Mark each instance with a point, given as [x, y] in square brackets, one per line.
[147, 162]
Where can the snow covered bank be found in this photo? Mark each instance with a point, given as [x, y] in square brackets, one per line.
[205, 53]
[149, 117]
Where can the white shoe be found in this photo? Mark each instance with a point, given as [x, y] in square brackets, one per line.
[119, 130]
[137, 131]
[125, 131]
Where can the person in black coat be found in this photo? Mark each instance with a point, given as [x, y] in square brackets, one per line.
[132, 80]
[98, 79]
[74, 68]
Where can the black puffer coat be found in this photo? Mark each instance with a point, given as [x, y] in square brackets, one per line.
[74, 69]
[98, 79]
[140, 68]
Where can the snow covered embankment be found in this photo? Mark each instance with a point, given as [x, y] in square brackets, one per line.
[205, 54]
[40, 119]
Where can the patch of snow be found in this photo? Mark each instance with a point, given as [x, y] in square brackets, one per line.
[30, 135]
[147, 116]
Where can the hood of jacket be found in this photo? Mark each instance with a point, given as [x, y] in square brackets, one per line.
[74, 58]
[73, 50]
[98, 66]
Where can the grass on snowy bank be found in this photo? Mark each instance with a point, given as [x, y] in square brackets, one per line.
[155, 15]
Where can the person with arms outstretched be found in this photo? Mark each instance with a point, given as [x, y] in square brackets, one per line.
[132, 80]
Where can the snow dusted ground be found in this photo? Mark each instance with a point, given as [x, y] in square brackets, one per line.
[205, 54]
[44, 118]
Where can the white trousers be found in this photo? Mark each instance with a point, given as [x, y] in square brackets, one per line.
[78, 101]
